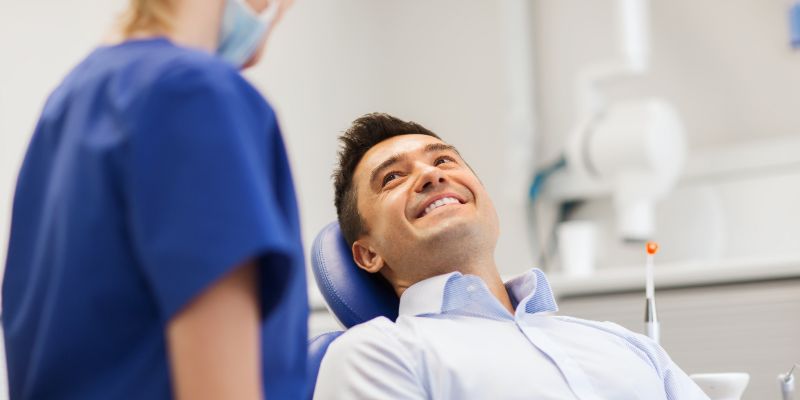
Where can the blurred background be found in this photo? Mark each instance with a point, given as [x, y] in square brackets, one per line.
[672, 120]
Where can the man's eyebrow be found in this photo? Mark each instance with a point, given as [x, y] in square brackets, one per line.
[434, 147]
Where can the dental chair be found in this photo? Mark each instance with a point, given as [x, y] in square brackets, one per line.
[352, 294]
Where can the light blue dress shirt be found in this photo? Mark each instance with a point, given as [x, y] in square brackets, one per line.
[454, 340]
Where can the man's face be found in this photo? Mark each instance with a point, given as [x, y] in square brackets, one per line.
[423, 207]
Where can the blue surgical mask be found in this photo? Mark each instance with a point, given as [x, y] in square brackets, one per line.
[242, 31]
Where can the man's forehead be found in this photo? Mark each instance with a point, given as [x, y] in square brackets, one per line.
[397, 146]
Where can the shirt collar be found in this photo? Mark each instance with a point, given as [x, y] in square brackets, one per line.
[425, 296]
[530, 291]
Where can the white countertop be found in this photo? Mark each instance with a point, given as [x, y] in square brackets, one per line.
[676, 275]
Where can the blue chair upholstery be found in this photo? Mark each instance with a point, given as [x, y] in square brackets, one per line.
[352, 294]
[316, 350]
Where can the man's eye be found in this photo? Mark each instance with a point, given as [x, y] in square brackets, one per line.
[388, 178]
[442, 160]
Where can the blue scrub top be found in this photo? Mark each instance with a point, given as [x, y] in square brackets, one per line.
[153, 171]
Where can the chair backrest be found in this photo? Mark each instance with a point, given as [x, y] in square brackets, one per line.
[353, 295]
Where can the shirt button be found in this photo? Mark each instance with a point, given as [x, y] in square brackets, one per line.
[471, 288]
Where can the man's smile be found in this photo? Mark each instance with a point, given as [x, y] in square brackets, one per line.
[437, 202]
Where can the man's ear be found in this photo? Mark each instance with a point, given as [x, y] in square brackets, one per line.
[366, 258]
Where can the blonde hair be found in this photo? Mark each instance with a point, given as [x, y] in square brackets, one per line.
[147, 15]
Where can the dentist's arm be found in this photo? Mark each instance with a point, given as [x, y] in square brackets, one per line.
[214, 342]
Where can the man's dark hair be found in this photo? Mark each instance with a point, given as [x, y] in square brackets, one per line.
[365, 132]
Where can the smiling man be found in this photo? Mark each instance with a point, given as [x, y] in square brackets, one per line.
[414, 212]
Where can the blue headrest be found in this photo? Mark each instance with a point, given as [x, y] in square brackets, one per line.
[353, 295]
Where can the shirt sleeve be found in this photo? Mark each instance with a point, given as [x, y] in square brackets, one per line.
[368, 362]
[202, 196]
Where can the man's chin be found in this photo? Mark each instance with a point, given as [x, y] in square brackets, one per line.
[450, 229]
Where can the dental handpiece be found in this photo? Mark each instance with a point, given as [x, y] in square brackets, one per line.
[787, 384]
[650, 316]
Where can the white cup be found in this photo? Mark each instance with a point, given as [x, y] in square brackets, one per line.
[722, 386]
[576, 247]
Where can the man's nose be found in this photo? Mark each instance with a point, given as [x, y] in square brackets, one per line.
[429, 178]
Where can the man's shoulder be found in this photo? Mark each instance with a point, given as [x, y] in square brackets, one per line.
[378, 341]
[382, 324]
[369, 361]
[376, 332]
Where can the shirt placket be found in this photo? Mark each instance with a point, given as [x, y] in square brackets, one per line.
[532, 327]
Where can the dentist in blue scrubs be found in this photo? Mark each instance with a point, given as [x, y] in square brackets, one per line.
[155, 248]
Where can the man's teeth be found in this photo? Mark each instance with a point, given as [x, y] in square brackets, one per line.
[438, 203]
